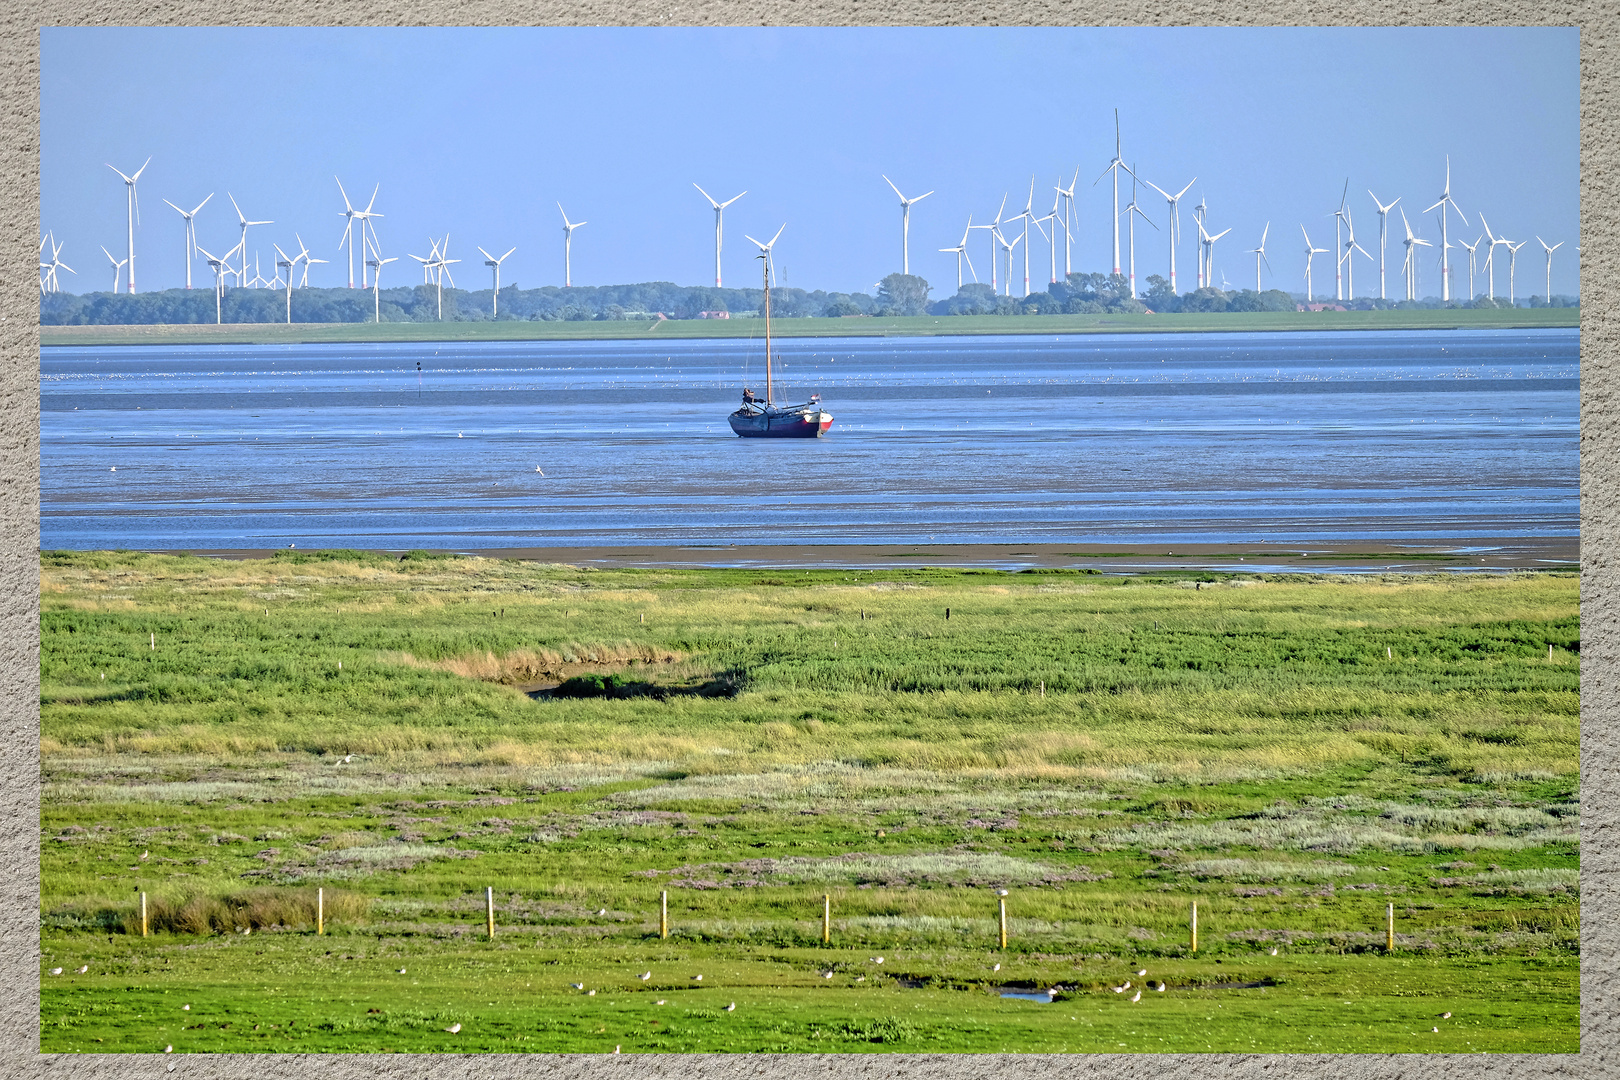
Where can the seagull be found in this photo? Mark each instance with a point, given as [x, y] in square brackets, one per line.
[1117, 989]
[1273, 952]
[538, 470]
[997, 967]
[1138, 996]
[1160, 987]
[697, 978]
[1445, 1016]
[1142, 972]
[1434, 1029]
[113, 469]
[454, 1028]
[1001, 892]
[645, 975]
[590, 993]
[860, 978]
[660, 1002]
[879, 960]
[169, 1049]
[185, 1008]
[1127, 985]
[402, 971]
[56, 971]
[577, 986]
[144, 854]
[732, 1007]
[603, 911]
[616, 1048]
[347, 758]
[87, 968]
[826, 974]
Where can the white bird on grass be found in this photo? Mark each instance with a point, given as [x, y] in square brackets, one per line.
[87, 968]
[1138, 996]
[660, 1002]
[577, 986]
[590, 993]
[185, 1008]
[169, 1049]
[732, 1007]
[56, 971]
[1445, 1016]
[454, 1028]
[1142, 972]
[1117, 989]
[602, 911]
[997, 967]
[1273, 952]
[616, 1048]
[645, 975]
[697, 978]
[1127, 985]
[877, 959]
[402, 971]
[1160, 987]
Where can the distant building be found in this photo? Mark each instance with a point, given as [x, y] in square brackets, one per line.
[1319, 307]
[714, 314]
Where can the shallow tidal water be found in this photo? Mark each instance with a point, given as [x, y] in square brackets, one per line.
[1194, 438]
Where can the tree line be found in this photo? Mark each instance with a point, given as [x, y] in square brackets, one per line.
[898, 294]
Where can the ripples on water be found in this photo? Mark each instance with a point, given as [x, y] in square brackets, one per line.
[1192, 438]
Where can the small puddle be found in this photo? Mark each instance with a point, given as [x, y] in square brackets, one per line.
[1042, 996]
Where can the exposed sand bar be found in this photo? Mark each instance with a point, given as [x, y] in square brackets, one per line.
[1471, 553]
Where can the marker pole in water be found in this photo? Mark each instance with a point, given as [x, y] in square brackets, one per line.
[1002, 903]
[1195, 926]
[663, 914]
[1389, 940]
[489, 909]
[826, 918]
[320, 911]
[143, 914]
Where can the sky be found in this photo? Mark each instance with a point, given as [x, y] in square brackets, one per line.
[481, 133]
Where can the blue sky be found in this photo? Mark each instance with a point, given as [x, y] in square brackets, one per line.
[480, 133]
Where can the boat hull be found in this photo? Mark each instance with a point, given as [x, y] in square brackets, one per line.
[761, 425]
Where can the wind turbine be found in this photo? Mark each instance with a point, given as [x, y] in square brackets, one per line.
[117, 265]
[1310, 253]
[1132, 212]
[1056, 224]
[1350, 248]
[1209, 252]
[56, 264]
[1470, 248]
[1008, 248]
[429, 262]
[765, 253]
[220, 265]
[350, 216]
[133, 202]
[1174, 217]
[495, 264]
[1490, 258]
[1383, 232]
[961, 253]
[719, 207]
[905, 224]
[1549, 251]
[1113, 167]
[241, 276]
[376, 282]
[568, 247]
[442, 269]
[995, 233]
[1068, 220]
[1410, 266]
[1445, 246]
[1513, 255]
[1205, 275]
[287, 262]
[1028, 215]
[1260, 255]
[191, 233]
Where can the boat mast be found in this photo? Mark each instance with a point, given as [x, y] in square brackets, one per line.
[767, 264]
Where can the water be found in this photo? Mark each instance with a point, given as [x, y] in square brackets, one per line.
[1191, 438]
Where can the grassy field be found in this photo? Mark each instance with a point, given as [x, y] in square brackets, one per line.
[896, 326]
[1292, 753]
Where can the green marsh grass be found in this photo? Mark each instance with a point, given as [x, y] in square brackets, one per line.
[1292, 752]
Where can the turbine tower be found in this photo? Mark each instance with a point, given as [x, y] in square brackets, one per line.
[1132, 212]
[1383, 234]
[287, 262]
[1350, 248]
[1209, 252]
[1113, 167]
[1490, 258]
[1068, 221]
[568, 247]
[1174, 217]
[495, 264]
[961, 253]
[191, 233]
[905, 224]
[376, 283]
[1260, 256]
[352, 215]
[1549, 251]
[1445, 246]
[134, 208]
[1028, 215]
[241, 275]
[719, 208]
[1470, 249]
[1310, 253]
[1513, 255]
[1008, 248]
[995, 230]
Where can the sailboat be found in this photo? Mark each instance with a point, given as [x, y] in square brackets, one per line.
[764, 419]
